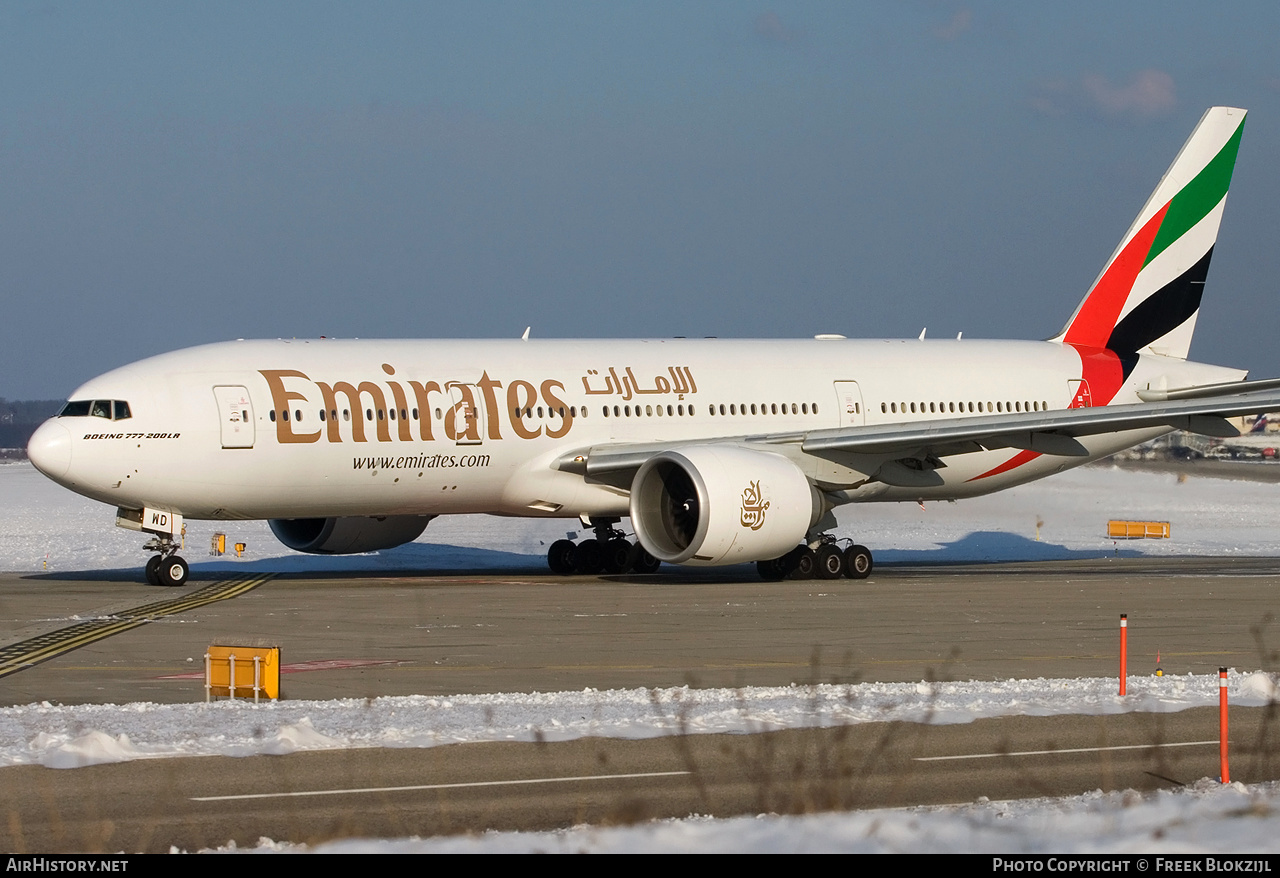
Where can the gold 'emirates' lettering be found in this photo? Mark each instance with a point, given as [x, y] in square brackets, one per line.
[461, 421]
[281, 399]
[467, 408]
[521, 395]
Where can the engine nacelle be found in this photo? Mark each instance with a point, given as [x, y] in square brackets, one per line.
[349, 535]
[709, 505]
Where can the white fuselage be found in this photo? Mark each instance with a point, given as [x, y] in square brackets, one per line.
[433, 427]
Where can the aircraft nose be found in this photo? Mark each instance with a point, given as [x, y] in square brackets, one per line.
[50, 449]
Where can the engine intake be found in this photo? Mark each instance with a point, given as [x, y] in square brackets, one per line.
[348, 535]
[709, 505]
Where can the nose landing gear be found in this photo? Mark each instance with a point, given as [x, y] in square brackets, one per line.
[166, 529]
[166, 568]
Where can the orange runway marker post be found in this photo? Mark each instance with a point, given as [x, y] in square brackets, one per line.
[1222, 724]
[1124, 651]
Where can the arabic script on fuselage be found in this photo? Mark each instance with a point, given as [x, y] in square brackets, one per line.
[628, 386]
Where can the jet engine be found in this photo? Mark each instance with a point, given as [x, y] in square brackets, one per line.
[708, 505]
[349, 535]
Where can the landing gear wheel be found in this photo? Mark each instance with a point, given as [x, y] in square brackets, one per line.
[800, 563]
[773, 570]
[173, 571]
[153, 570]
[560, 557]
[828, 562]
[642, 561]
[588, 557]
[857, 562]
[617, 556]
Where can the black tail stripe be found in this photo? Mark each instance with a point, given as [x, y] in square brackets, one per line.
[1128, 362]
[1163, 311]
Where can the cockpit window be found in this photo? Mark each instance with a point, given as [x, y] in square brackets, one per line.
[111, 409]
[76, 409]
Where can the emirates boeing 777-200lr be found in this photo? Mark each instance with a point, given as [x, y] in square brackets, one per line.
[720, 452]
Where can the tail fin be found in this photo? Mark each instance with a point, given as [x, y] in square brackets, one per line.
[1148, 294]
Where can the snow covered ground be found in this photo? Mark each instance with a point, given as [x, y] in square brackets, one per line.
[41, 524]
[74, 736]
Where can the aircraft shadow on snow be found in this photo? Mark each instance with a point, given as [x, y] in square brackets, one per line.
[433, 559]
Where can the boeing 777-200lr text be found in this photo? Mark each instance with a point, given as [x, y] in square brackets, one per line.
[719, 452]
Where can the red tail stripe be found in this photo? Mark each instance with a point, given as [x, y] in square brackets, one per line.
[1017, 460]
[1100, 311]
[1103, 372]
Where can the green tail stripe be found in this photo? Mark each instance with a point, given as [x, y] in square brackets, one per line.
[1198, 197]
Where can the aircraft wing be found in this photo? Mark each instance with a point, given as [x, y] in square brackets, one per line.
[1048, 432]
[1054, 432]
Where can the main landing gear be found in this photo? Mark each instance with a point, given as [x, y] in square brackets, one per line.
[608, 552]
[166, 568]
[824, 561]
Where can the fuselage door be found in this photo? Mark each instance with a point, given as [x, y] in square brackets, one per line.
[235, 414]
[464, 422]
[1080, 396]
[849, 398]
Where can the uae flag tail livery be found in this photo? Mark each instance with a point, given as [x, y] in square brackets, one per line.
[1147, 297]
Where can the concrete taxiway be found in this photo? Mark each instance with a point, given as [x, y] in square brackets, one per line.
[449, 632]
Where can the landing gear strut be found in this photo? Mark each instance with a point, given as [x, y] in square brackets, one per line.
[609, 551]
[166, 568]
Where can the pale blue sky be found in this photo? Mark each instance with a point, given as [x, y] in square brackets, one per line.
[176, 173]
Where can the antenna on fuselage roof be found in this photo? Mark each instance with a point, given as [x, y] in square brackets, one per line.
[922, 332]
[525, 337]
[959, 335]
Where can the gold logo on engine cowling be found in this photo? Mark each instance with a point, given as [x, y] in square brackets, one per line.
[753, 506]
